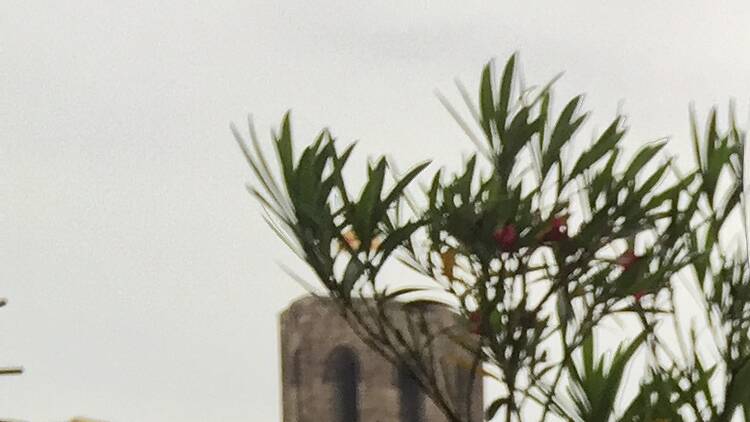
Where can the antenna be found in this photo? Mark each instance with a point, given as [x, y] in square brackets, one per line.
[12, 370]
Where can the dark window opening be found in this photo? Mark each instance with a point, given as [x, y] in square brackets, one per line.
[296, 380]
[463, 387]
[411, 397]
[296, 372]
[342, 373]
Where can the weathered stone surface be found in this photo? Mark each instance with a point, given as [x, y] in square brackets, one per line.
[312, 329]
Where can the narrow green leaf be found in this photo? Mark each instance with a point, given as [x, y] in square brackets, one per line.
[606, 142]
[696, 139]
[401, 291]
[398, 189]
[493, 408]
[563, 131]
[604, 179]
[487, 102]
[643, 157]
[506, 88]
[352, 273]
[368, 204]
[284, 150]
[397, 238]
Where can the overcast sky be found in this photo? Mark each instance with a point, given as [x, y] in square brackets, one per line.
[140, 275]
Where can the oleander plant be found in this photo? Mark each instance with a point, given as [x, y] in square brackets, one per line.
[547, 249]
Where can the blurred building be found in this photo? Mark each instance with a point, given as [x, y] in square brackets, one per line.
[330, 375]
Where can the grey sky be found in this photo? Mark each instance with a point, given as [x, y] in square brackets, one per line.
[141, 277]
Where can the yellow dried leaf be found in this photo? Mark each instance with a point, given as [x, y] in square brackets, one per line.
[351, 239]
[449, 261]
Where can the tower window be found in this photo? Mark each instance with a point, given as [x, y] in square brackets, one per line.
[296, 381]
[295, 376]
[463, 388]
[342, 373]
[411, 398]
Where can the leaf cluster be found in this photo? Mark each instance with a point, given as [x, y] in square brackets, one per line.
[535, 244]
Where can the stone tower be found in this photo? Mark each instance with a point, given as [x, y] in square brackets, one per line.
[330, 375]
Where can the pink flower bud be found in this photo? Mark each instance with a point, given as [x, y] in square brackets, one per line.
[557, 231]
[627, 259]
[506, 238]
[475, 322]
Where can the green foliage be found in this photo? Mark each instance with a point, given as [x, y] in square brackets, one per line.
[535, 244]
[596, 382]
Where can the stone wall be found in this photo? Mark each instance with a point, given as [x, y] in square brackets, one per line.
[313, 333]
